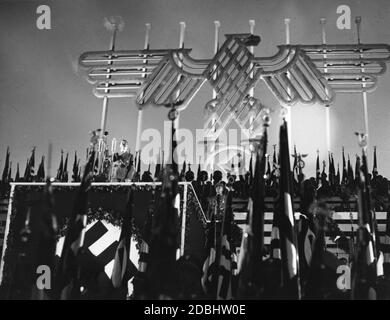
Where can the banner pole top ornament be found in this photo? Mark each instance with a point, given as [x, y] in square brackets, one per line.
[358, 21]
[173, 113]
[113, 23]
[362, 139]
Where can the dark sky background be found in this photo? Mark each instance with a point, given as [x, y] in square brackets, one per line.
[44, 97]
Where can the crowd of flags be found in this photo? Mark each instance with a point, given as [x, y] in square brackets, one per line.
[279, 273]
[33, 174]
[328, 181]
[252, 272]
[65, 173]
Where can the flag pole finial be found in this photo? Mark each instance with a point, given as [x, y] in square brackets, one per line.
[266, 117]
[358, 21]
[284, 113]
[362, 139]
[114, 23]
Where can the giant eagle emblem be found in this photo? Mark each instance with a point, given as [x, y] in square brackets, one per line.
[305, 74]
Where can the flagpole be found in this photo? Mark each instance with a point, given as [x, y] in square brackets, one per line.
[113, 24]
[183, 222]
[252, 90]
[288, 115]
[181, 46]
[327, 110]
[217, 25]
[176, 108]
[140, 108]
[358, 21]
[105, 99]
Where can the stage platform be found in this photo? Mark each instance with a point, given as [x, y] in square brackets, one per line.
[105, 203]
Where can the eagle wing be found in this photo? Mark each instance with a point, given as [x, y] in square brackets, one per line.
[314, 73]
[156, 77]
[119, 73]
[177, 78]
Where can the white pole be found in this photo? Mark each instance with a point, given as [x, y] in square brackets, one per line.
[358, 21]
[182, 34]
[183, 221]
[176, 121]
[365, 109]
[103, 121]
[140, 109]
[148, 27]
[251, 49]
[288, 108]
[176, 125]
[49, 160]
[6, 231]
[252, 90]
[139, 129]
[327, 108]
[105, 99]
[217, 25]
[327, 124]
[181, 46]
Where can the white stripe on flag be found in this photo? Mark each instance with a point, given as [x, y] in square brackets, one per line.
[276, 254]
[379, 265]
[244, 244]
[250, 204]
[292, 258]
[370, 248]
[144, 247]
[60, 245]
[177, 203]
[288, 208]
[78, 243]
[275, 234]
[82, 236]
[367, 226]
[134, 253]
[370, 253]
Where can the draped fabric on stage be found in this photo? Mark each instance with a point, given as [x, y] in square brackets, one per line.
[106, 202]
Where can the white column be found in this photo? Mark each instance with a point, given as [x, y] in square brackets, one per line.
[217, 25]
[181, 45]
[327, 108]
[140, 108]
[183, 220]
[105, 99]
[358, 21]
[288, 108]
[252, 91]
